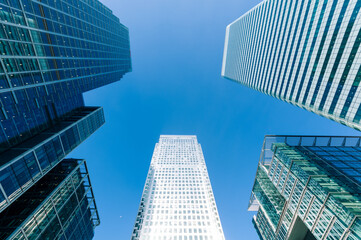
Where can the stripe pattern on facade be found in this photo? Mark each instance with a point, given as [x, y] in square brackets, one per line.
[304, 52]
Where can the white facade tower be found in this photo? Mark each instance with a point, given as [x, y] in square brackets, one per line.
[177, 201]
[305, 52]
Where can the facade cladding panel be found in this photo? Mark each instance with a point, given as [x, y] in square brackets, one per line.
[308, 188]
[178, 201]
[304, 52]
[51, 53]
[60, 206]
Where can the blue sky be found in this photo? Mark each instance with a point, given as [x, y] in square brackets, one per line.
[176, 88]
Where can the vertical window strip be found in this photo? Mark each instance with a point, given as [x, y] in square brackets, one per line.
[312, 47]
[257, 27]
[305, 44]
[273, 91]
[294, 57]
[265, 50]
[329, 51]
[270, 5]
[275, 29]
[350, 60]
[284, 67]
[262, 16]
[285, 29]
[351, 94]
[247, 44]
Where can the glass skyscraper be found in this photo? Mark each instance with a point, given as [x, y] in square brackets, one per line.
[59, 206]
[51, 52]
[308, 187]
[177, 201]
[304, 52]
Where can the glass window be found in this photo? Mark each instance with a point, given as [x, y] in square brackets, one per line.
[8, 181]
[21, 172]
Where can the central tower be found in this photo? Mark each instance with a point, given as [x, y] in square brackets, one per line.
[177, 201]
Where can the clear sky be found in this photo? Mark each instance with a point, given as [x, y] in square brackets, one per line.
[176, 88]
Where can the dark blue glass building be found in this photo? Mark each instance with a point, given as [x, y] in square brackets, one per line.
[60, 206]
[51, 52]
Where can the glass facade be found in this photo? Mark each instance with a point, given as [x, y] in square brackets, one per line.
[177, 201]
[25, 164]
[308, 188]
[50, 53]
[304, 52]
[60, 206]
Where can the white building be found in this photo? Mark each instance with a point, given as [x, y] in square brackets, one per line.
[177, 201]
[304, 52]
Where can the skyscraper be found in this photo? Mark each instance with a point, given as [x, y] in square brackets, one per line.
[304, 52]
[308, 187]
[177, 201]
[51, 53]
[59, 206]
[23, 165]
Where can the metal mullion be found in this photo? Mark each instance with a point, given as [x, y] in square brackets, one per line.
[279, 178]
[275, 169]
[23, 232]
[329, 227]
[72, 183]
[299, 204]
[284, 211]
[5, 195]
[292, 190]
[2, 127]
[78, 131]
[286, 179]
[320, 213]
[14, 40]
[347, 230]
[309, 207]
[57, 215]
[6, 72]
[91, 216]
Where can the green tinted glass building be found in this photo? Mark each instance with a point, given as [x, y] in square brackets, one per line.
[304, 52]
[308, 187]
